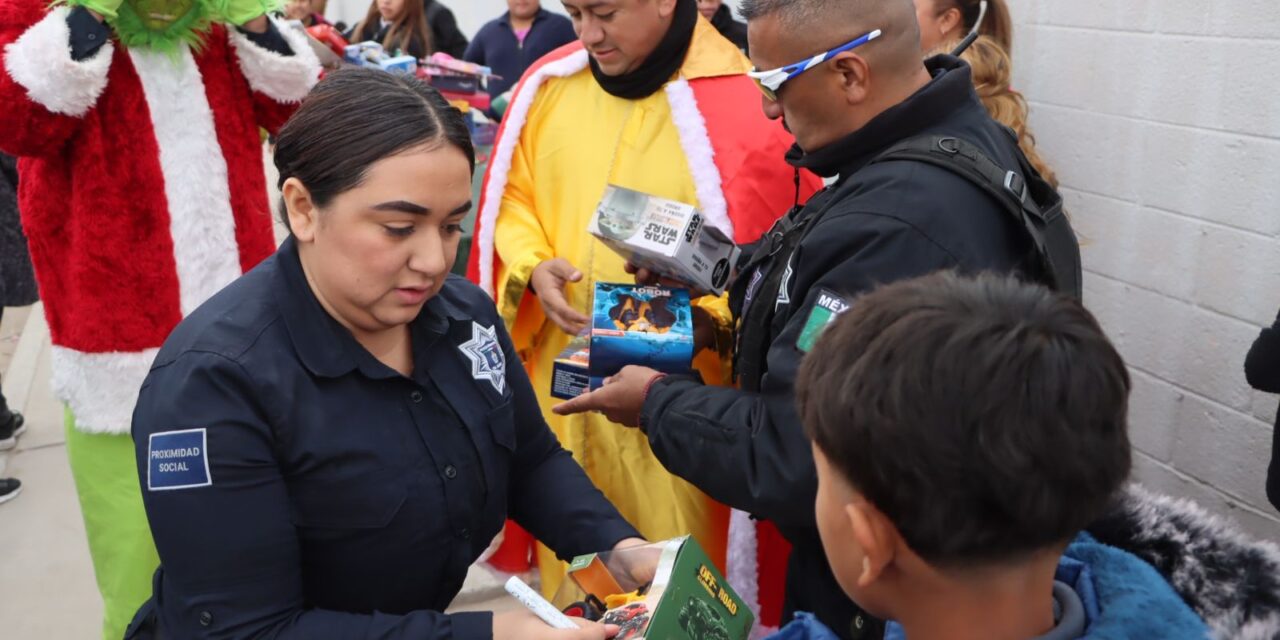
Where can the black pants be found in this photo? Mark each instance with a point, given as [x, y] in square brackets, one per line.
[4, 406]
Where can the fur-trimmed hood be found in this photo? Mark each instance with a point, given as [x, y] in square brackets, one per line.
[1231, 581]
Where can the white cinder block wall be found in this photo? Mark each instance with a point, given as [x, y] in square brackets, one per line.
[1162, 118]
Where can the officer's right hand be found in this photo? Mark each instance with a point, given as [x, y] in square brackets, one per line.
[524, 625]
[548, 281]
[647, 278]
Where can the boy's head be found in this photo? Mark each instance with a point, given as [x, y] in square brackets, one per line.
[960, 425]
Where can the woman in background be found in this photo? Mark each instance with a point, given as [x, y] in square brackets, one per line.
[398, 25]
[992, 77]
[17, 289]
[947, 20]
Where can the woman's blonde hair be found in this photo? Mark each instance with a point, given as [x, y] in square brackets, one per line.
[992, 77]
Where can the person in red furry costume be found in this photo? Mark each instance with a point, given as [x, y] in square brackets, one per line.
[137, 127]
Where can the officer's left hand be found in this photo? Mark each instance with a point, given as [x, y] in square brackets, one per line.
[621, 399]
[634, 562]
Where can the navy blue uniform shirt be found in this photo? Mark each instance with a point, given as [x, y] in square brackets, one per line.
[299, 488]
[497, 47]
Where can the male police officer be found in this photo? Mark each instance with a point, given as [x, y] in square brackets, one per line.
[942, 201]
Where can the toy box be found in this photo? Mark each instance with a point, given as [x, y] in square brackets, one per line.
[371, 54]
[686, 599]
[664, 236]
[647, 326]
[630, 324]
[569, 375]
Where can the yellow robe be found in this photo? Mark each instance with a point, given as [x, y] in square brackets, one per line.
[578, 139]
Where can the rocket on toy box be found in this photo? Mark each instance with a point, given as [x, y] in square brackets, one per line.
[664, 236]
[630, 324]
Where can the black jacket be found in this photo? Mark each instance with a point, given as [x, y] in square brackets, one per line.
[1262, 369]
[445, 34]
[735, 31]
[878, 223]
[496, 46]
[353, 509]
[17, 280]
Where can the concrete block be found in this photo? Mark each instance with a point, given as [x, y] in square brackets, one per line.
[1174, 340]
[1264, 407]
[1093, 152]
[1124, 241]
[1226, 449]
[1233, 268]
[1211, 176]
[1200, 83]
[1138, 15]
[1154, 406]
[1255, 19]
[1262, 524]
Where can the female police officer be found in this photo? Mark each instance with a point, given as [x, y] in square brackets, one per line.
[328, 443]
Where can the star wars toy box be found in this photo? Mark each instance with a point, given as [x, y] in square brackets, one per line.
[630, 324]
[667, 237]
[663, 591]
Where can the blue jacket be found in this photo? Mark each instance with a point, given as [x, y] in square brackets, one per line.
[497, 47]
[1121, 597]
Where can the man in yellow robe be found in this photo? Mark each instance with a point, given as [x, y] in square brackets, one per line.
[651, 98]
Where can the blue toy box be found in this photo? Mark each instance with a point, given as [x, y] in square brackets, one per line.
[630, 324]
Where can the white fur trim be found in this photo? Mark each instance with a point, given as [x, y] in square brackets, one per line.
[700, 155]
[742, 567]
[40, 61]
[100, 388]
[500, 162]
[201, 223]
[286, 79]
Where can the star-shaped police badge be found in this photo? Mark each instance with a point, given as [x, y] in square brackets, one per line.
[485, 354]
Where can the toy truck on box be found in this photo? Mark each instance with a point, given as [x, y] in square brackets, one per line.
[664, 236]
[688, 598]
[630, 324]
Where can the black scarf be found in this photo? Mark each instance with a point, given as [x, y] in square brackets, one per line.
[663, 63]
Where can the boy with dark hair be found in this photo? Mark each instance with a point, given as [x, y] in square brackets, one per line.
[965, 431]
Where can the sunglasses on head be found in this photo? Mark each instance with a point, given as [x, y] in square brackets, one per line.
[771, 81]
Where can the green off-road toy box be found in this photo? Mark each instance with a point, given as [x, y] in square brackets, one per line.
[662, 591]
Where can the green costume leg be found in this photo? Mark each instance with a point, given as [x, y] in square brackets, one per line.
[124, 557]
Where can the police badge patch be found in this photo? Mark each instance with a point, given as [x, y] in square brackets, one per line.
[487, 360]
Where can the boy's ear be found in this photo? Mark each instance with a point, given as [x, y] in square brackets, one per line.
[875, 535]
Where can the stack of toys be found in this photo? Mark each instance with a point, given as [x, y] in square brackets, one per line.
[458, 80]
[686, 598]
[371, 54]
[630, 324]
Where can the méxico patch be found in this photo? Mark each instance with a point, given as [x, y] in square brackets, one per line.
[178, 460]
[826, 308]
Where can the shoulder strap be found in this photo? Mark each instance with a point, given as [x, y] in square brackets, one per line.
[1031, 201]
[756, 320]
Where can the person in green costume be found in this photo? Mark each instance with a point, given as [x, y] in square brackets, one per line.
[136, 127]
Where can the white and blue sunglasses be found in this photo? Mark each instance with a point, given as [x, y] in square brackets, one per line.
[772, 80]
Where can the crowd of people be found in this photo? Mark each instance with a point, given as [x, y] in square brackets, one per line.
[900, 421]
